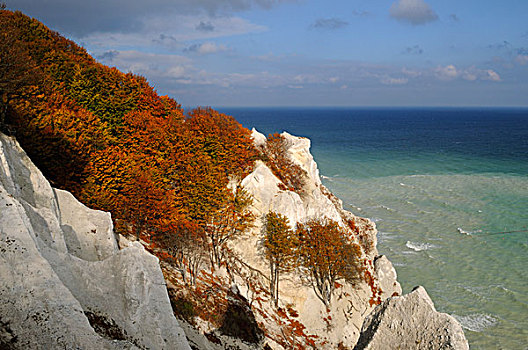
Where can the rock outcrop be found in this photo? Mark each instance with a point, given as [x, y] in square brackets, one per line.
[68, 283]
[339, 323]
[64, 282]
[410, 322]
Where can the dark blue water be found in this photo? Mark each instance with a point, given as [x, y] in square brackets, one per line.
[421, 174]
[496, 134]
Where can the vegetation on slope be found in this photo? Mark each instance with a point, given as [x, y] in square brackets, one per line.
[275, 155]
[109, 138]
[167, 177]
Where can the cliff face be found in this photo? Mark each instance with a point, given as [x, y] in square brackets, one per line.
[410, 322]
[341, 323]
[65, 283]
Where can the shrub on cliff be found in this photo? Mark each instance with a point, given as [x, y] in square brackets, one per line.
[279, 248]
[233, 218]
[275, 154]
[327, 256]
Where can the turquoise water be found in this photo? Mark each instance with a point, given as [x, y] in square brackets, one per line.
[423, 176]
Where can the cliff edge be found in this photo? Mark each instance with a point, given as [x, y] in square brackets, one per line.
[346, 319]
[65, 282]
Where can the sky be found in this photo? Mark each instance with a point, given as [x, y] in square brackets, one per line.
[377, 53]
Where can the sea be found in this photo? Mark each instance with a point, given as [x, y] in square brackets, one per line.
[448, 191]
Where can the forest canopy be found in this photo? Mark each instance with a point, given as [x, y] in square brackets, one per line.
[111, 140]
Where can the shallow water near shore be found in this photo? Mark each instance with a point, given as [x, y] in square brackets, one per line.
[442, 185]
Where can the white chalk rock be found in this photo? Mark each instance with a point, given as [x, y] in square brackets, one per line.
[341, 323]
[386, 275]
[65, 284]
[411, 322]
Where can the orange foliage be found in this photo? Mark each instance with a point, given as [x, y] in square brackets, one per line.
[328, 256]
[112, 141]
[279, 247]
[275, 155]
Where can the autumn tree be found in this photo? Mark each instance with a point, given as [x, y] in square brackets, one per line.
[275, 155]
[186, 247]
[279, 247]
[327, 256]
[118, 146]
[16, 68]
[227, 222]
[224, 140]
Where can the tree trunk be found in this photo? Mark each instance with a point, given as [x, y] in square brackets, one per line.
[276, 287]
[272, 280]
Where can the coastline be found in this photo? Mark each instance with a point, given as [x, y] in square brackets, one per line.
[322, 325]
[478, 183]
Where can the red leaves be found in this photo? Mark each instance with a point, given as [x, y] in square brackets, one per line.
[275, 155]
[118, 146]
[328, 256]
[375, 298]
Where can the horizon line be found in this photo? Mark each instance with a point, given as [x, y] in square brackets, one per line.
[357, 107]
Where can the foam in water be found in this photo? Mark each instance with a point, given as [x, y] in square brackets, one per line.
[468, 233]
[476, 322]
[418, 247]
[463, 232]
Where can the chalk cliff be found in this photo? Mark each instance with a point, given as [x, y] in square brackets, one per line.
[341, 323]
[65, 284]
[410, 322]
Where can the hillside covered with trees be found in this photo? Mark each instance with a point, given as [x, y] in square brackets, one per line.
[171, 178]
[110, 139]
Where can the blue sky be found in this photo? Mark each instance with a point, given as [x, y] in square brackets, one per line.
[307, 53]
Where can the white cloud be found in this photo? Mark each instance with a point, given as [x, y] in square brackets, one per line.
[446, 73]
[450, 72]
[172, 35]
[491, 75]
[184, 79]
[306, 79]
[411, 73]
[82, 18]
[415, 12]
[184, 27]
[152, 66]
[469, 76]
[206, 48]
[394, 81]
[521, 59]
[176, 72]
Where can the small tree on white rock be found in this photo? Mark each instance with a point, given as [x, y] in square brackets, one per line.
[279, 247]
